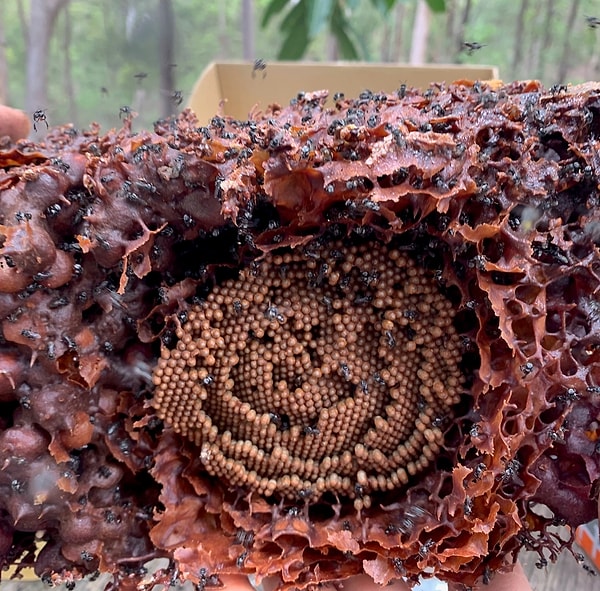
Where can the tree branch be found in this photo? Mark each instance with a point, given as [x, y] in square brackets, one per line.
[23, 21]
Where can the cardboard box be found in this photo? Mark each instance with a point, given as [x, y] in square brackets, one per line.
[236, 88]
[588, 538]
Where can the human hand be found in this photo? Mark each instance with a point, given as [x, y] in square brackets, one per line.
[356, 583]
[513, 581]
[13, 123]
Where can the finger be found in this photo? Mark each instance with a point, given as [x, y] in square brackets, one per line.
[13, 123]
[365, 583]
[356, 583]
[512, 581]
[236, 583]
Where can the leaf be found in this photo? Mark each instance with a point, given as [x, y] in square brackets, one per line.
[363, 47]
[297, 39]
[339, 28]
[274, 7]
[320, 13]
[297, 17]
[383, 6]
[436, 5]
[347, 48]
[294, 45]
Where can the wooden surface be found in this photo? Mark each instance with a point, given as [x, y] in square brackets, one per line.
[564, 575]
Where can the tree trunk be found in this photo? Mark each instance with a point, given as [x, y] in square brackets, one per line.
[3, 63]
[331, 48]
[519, 41]
[223, 32]
[68, 70]
[564, 62]
[418, 47]
[450, 15]
[546, 37]
[23, 22]
[459, 37]
[42, 18]
[166, 57]
[400, 49]
[248, 29]
[386, 36]
[533, 54]
[593, 65]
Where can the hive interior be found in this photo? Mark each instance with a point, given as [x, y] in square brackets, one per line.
[314, 372]
[117, 249]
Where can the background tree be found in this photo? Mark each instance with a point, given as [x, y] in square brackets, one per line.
[305, 19]
[166, 56]
[519, 40]
[65, 43]
[564, 62]
[223, 33]
[3, 61]
[42, 17]
[458, 35]
[248, 25]
[420, 33]
[106, 44]
[543, 41]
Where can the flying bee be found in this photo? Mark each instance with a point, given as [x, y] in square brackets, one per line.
[593, 22]
[177, 97]
[126, 111]
[472, 46]
[259, 66]
[39, 116]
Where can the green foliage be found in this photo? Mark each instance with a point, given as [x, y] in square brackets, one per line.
[307, 19]
[436, 5]
[295, 26]
[113, 40]
[340, 27]
[384, 6]
[320, 13]
[274, 7]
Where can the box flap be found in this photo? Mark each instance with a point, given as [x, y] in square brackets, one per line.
[236, 88]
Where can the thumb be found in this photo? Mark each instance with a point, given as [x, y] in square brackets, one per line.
[13, 123]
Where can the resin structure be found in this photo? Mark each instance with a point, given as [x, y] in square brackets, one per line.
[344, 337]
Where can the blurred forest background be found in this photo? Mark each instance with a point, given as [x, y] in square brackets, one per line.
[82, 60]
